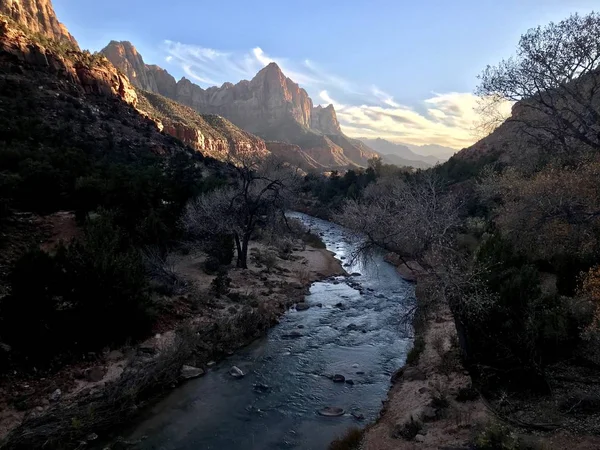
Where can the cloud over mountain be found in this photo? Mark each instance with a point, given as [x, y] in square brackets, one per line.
[444, 118]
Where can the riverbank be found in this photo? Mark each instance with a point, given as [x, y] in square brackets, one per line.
[79, 404]
[432, 403]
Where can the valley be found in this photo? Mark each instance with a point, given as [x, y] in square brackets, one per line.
[206, 253]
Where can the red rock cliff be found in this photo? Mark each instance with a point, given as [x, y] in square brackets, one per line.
[37, 16]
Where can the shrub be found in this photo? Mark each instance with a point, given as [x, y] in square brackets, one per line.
[211, 265]
[497, 437]
[267, 258]
[412, 358]
[221, 249]
[313, 240]
[518, 330]
[409, 429]
[467, 394]
[90, 294]
[220, 285]
[351, 440]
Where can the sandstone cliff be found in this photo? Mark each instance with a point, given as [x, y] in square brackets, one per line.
[125, 56]
[90, 74]
[212, 135]
[325, 120]
[256, 106]
[37, 16]
[270, 105]
[294, 155]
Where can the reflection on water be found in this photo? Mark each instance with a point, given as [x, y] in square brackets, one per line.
[357, 332]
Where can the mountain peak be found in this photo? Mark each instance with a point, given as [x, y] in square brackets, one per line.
[125, 56]
[37, 16]
[272, 66]
[324, 119]
[271, 72]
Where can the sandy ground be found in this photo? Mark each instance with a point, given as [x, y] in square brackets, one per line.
[272, 293]
[454, 426]
[412, 396]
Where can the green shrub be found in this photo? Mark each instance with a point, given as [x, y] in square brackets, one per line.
[497, 437]
[90, 294]
[211, 265]
[221, 248]
[521, 330]
[220, 285]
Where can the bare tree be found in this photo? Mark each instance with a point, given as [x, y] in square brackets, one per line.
[263, 188]
[406, 217]
[555, 78]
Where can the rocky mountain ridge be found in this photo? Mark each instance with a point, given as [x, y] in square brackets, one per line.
[271, 105]
[37, 16]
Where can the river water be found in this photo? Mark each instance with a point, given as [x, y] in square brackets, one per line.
[357, 332]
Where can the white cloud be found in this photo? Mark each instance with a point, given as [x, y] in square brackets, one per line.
[444, 118]
[448, 119]
[324, 95]
[383, 97]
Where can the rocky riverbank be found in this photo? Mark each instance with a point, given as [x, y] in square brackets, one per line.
[432, 403]
[79, 404]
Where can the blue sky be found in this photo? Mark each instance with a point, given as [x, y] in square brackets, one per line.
[403, 70]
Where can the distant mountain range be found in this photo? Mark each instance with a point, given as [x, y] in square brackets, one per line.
[420, 157]
[268, 114]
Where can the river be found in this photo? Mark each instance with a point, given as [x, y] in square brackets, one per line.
[357, 332]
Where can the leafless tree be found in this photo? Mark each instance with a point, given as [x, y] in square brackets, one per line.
[555, 78]
[262, 189]
[406, 217]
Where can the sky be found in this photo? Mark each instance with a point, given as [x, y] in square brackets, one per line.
[401, 70]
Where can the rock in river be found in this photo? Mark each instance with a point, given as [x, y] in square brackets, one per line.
[292, 335]
[331, 411]
[189, 372]
[236, 372]
[302, 306]
[337, 378]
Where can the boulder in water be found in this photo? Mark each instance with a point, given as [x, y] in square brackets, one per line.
[331, 411]
[337, 378]
[302, 306]
[189, 372]
[236, 372]
[292, 335]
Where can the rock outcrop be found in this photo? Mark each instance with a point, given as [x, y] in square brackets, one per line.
[92, 76]
[37, 16]
[210, 134]
[325, 120]
[294, 155]
[125, 56]
[271, 105]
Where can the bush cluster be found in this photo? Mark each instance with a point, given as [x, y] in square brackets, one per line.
[87, 295]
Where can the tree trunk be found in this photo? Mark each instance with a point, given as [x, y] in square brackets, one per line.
[242, 251]
[238, 247]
